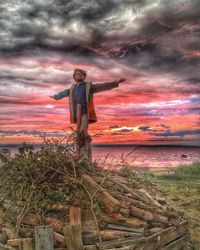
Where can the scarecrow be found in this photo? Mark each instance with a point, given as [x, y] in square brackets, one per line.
[82, 111]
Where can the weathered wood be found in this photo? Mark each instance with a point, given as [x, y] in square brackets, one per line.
[151, 199]
[58, 207]
[72, 237]
[125, 228]
[44, 238]
[160, 239]
[91, 237]
[6, 247]
[177, 244]
[138, 203]
[110, 203]
[119, 219]
[73, 232]
[88, 221]
[23, 243]
[128, 190]
[148, 216]
[27, 244]
[59, 238]
[75, 215]
[154, 230]
[131, 247]
[127, 202]
[125, 212]
[90, 247]
[32, 219]
[3, 237]
[120, 242]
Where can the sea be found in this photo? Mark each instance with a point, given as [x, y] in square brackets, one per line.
[141, 156]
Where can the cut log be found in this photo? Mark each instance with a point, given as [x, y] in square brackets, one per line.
[32, 219]
[151, 199]
[127, 202]
[44, 238]
[139, 204]
[58, 207]
[59, 238]
[125, 212]
[128, 190]
[110, 203]
[148, 216]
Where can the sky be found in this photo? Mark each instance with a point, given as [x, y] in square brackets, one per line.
[153, 44]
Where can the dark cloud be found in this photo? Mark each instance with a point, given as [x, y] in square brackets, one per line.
[193, 80]
[114, 126]
[144, 128]
[125, 130]
[178, 133]
[164, 126]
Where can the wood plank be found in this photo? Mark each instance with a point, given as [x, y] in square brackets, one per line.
[44, 238]
[92, 236]
[22, 243]
[177, 244]
[167, 235]
[90, 247]
[6, 247]
[87, 220]
[120, 242]
[27, 244]
[73, 232]
[125, 228]
[119, 219]
[74, 215]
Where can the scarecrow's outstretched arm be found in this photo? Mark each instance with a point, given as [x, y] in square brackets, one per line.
[99, 87]
[60, 95]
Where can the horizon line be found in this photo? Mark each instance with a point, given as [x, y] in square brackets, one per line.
[111, 145]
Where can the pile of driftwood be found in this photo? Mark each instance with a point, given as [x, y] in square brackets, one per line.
[50, 201]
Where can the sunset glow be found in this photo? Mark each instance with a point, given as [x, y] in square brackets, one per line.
[154, 46]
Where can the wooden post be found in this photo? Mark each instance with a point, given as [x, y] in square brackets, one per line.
[27, 244]
[44, 238]
[73, 232]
